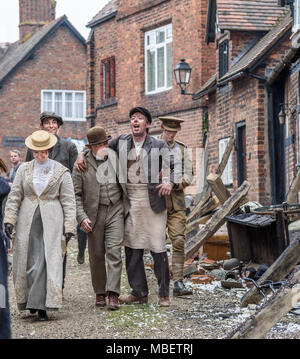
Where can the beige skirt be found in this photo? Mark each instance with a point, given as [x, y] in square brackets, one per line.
[144, 229]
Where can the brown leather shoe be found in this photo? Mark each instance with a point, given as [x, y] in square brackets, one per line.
[131, 299]
[113, 301]
[100, 300]
[164, 301]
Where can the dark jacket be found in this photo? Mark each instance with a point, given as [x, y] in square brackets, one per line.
[157, 155]
[5, 331]
[65, 152]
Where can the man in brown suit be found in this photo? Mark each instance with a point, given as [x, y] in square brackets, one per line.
[176, 222]
[100, 213]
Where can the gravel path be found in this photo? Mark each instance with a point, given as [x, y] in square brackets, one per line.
[212, 312]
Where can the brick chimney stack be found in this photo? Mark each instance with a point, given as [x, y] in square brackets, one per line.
[34, 14]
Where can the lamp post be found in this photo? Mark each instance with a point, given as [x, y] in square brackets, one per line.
[182, 74]
[282, 115]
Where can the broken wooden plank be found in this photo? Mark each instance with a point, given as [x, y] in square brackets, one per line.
[292, 195]
[218, 187]
[225, 157]
[196, 211]
[217, 220]
[283, 265]
[280, 303]
[195, 224]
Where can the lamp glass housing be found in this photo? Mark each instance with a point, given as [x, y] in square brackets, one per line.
[182, 74]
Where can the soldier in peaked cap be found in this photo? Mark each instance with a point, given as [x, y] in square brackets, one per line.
[176, 220]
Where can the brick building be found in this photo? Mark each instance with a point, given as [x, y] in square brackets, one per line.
[257, 75]
[133, 48]
[44, 70]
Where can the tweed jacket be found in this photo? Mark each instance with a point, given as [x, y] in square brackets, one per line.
[87, 190]
[64, 152]
[156, 155]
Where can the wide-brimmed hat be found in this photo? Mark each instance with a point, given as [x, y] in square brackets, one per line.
[143, 111]
[171, 123]
[40, 141]
[49, 114]
[3, 166]
[97, 135]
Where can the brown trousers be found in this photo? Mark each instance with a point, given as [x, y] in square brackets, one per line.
[104, 246]
[176, 224]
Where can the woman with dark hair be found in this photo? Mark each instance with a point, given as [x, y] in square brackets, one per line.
[5, 331]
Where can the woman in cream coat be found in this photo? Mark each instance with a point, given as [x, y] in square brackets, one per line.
[41, 208]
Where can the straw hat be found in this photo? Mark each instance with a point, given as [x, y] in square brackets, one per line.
[3, 166]
[40, 141]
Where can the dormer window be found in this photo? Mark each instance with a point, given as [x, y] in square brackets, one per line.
[223, 58]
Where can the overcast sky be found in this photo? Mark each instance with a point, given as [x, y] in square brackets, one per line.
[79, 13]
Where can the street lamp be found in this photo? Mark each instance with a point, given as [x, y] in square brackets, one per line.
[182, 74]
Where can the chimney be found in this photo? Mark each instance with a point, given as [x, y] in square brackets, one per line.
[34, 14]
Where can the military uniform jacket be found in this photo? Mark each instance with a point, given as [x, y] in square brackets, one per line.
[176, 200]
[65, 152]
[153, 159]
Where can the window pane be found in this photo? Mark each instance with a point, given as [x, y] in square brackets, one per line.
[169, 65]
[169, 32]
[151, 39]
[68, 105]
[58, 103]
[161, 67]
[79, 103]
[47, 101]
[151, 70]
[160, 36]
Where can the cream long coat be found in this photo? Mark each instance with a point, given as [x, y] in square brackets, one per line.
[58, 212]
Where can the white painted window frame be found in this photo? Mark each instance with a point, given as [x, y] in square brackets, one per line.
[227, 176]
[296, 25]
[63, 92]
[155, 47]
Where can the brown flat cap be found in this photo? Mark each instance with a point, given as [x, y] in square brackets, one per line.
[97, 135]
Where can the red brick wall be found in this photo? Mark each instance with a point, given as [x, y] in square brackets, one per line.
[246, 100]
[35, 13]
[123, 37]
[59, 64]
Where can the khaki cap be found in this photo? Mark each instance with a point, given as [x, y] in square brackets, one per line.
[171, 123]
[40, 141]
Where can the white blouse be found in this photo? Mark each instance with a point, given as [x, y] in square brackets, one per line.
[42, 172]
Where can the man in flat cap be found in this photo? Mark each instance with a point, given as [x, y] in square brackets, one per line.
[141, 160]
[100, 213]
[176, 222]
[65, 152]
